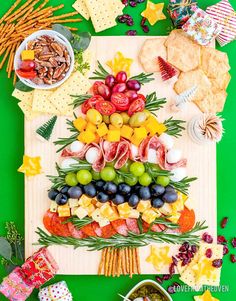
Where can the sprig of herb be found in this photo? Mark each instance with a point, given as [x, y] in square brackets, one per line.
[123, 174]
[79, 223]
[101, 73]
[153, 103]
[154, 171]
[143, 78]
[183, 185]
[81, 65]
[174, 127]
[118, 241]
[79, 99]
[165, 222]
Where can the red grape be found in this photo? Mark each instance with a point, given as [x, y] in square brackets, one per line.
[104, 91]
[110, 81]
[133, 84]
[27, 65]
[132, 95]
[121, 77]
[119, 88]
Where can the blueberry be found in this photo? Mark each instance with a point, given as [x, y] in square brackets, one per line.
[170, 197]
[124, 189]
[110, 188]
[157, 203]
[133, 200]
[118, 199]
[52, 193]
[75, 192]
[90, 190]
[136, 188]
[157, 190]
[102, 197]
[99, 185]
[169, 189]
[61, 199]
[144, 193]
[65, 189]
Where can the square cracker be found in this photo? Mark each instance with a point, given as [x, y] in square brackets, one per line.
[81, 7]
[23, 96]
[76, 84]
[26, 108]
[42, 104]
[103, 13]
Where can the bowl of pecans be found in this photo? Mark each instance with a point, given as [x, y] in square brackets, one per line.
[44, 60]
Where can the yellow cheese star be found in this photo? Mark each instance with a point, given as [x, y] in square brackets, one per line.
[153, 12]
[120, 63]
[31, 166]
[159, 257]
[205, 297]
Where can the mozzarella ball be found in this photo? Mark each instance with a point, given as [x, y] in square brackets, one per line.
[152, 156]
[68, 162]
[92, 155]
[76, 146]
[134, 150]
[173, 155]
[166, 140]
[178, 174]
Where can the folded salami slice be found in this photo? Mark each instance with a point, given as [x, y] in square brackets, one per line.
[100, 162]
[88, 230]
[97, 229]
[122, 155]
[132, 224]
[108, 231]
[120, 227]
[158, 228]
[76, 233]
[110, 152]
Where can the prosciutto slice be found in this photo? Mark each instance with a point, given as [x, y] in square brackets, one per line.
[119, 151]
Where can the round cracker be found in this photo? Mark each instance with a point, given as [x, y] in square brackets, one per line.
[221, 82]
[151, 49]
[213, 102]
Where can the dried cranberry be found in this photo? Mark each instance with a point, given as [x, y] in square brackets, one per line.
[131, 32]
[121, 19]
[145, 28]
[130, 22]
[224, 222]
[166, 277]
[225, 250]
[171, 289]
[172, 269]
[125, 2]
[189, 254]
[194, 249]
[233, 258]
[133, 3]
[159, 279]
[221, 239]
[185, 262]
[176, 284]
[209, 253]
[174, 260]
[207, 238]
[234, 242]
[143, 21]
[217, 263]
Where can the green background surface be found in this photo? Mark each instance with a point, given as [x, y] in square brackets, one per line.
[12, 182]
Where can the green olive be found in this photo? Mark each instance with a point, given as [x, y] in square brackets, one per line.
[116, 120]
[125, 117]
[106, 119]
[137, 119]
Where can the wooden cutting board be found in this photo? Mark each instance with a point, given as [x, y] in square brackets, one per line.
[201, 163]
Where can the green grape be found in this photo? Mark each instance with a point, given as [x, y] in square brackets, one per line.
[108, 174]
[126, 166]
[131, 181]
[118, 179]
[137, 119]
[116, 120]
[84, 177]
[163, 180]
[137, 169]
[71, 179]
[111, 164]
[145, 179]
[106, 119]
[96, 175]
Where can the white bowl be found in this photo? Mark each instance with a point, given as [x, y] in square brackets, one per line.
[152, 283]
[59, 38]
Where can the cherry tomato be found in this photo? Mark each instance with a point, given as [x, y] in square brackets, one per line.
[27, 65]
[120, 88]
[110, 81]
[121, 101]
[132, 95]
[104, 91]
[26, 74]
[141, 96]
[138, 105]
[96, 85]
[121, 77]
[90, 103]
[105, 107]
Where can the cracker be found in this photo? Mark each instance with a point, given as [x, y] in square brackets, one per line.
[41, 102]
[220, 82]
[81, 7]
[27, 110]
[77, 84]
[196, 77]
[182, 52]
[214, 62]
[151, 49]
[212, 102]
[23, 96]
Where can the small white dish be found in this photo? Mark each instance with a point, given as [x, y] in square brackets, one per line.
[152, 283]
[59, 38]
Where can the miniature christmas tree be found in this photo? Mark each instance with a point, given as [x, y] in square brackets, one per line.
[167, 71]
[46, 129]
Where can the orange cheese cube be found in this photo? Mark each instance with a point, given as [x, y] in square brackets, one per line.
[126, 132]
[90, 209]
[102, 129]
[80, 124]
[27, 55]
[87, 137]
[143, 205]
[113, 135]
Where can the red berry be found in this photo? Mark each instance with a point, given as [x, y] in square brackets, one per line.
[172, 269]
[208, 253]
[217, 263]
[207, 238]
[159, 279]
[174, 260]
[119, 88]
[110, 81]
[166, 277]
[234, 242]
[225, 250]
[221, 239]
[224, 222]
[194, 249]
[233, 258]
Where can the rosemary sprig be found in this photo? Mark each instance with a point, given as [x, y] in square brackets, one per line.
[183, 185]
[79, 223]
[143, 78]
[163, 221]
[153, 103]
[126, 175]
[118, 241]
[101, 73]
[79, 100]
[174, 127]
[154, 171]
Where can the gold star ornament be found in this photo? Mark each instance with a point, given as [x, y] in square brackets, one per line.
[31, 166]
[207, 296]
[120, 63]
[153, 12]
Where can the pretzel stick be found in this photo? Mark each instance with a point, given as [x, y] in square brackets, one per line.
[137, 260]
[114, 269]
[134, 262]
[6, 29]
[107, 262]
[120, 252]
[8, 44]
[11, 59]
[101, 265]
[111, 263]
[61, 17]
[41, 6]
[14, 79]
[68, 21]
[9, 11]
[71, 28]
[10, 55]
[18, 10]
[127, 260]
[25, 16]
[43, 12]
[8, 34]
[24, 11]
[5, 57]
[130, 263]
[123, 266]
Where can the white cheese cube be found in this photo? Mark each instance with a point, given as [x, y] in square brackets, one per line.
[81, 212]
[73, 203]
[53, 206]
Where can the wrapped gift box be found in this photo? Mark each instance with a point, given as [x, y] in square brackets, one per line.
[181, 10]
[55, 292]
[201, 27]
[14, 286]
[40, 267]
[224, 14]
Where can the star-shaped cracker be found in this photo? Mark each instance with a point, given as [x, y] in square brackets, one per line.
[159, 257]
[205, 297]
[31, 166]
[120, 63]
[153, 12]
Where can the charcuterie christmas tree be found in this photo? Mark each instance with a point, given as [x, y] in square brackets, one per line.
[121, 184]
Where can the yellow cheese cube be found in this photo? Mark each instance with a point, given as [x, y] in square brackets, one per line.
[112, 127]
[64, 210]
[140, 133]
[80, 124]
[113, 136]
[53, 206]
[84, 201]
[149, 216]
[143, 205]
[73, 210]
[126, 132]
[73, 203]
[98, 204]
[154, 127]
[87, 137]
[91, 127]
[174, 217]
[27, 55]
[108, 212]
[134, 214]
[124, 210]
[81, 212]
[166, 209]
[136, 140]
[90, 209]
[102, 129]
